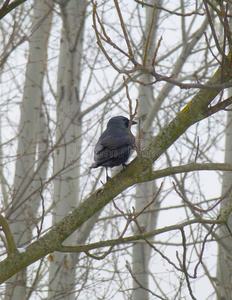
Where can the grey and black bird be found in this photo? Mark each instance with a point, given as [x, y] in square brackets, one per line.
[114, 145]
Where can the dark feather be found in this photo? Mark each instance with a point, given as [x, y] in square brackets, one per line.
[114, 145]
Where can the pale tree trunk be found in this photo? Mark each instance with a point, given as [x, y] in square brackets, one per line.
[69, 130]
[148, 110]
[2, 176]
[187, 48]
[23, 209]
[145, 192]
[224, 263]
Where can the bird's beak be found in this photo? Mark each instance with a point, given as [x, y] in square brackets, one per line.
[133, 123]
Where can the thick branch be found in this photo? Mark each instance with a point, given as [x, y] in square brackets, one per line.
[6, 8]
[183, 169]
[131, 239]
[8, 234]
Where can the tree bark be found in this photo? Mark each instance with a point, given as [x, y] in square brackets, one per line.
[145, 191]
[22, 213]
[224, 263]
[68, 137]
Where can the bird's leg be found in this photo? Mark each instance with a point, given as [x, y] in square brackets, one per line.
[124, 166]
[107, 176]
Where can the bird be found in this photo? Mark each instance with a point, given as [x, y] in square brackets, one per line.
[114, 145]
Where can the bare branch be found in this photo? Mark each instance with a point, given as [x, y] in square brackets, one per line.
[140, 285]
[193, 207]
[8, 7]
[184, 267]
[141, 236]
[184, 169]
[170, 11]
[8, 234]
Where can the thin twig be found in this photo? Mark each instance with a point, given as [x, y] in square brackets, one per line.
[195, 208]
[131, 54]
[149, 36]
[156, 51]
[184, 264]
[197, 152]
[139, 284]
[170, 11]
[212, 26]
[132, 114]
[211, 51]
[111, 247]
[151, 202]
[39, 228]
[202, 250]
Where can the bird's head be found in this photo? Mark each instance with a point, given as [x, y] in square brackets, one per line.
[120, 122]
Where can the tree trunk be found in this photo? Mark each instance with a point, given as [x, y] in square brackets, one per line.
[68, 138]
[145, 192]
[22, 212]
[224, 263]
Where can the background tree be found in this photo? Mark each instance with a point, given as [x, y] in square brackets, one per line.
[31, 167]
[172, 59]
[145, 191]
[68, 142]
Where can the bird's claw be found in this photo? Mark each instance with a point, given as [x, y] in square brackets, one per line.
[108, 178]
[124, 166]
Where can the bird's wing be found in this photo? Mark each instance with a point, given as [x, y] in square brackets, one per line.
[113, 142]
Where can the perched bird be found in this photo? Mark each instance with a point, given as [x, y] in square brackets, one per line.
[114, 145]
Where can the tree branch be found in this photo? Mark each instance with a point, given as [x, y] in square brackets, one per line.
[172, 12]
[6, 7]
[8, 234]
[141, 236]
[144, 177]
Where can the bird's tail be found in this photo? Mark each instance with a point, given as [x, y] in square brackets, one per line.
[93, 166]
